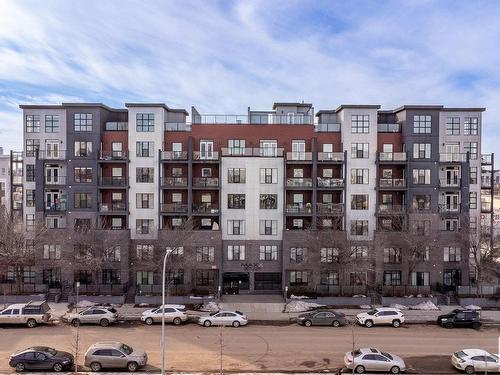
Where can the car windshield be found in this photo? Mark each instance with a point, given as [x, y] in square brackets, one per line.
[372, 312]
[385, 354]
[213, 313]
[238, 312]
[126, 349]
[461, 354]
[112, 309]
[357, 353]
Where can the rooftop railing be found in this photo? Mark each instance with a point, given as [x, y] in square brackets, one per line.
[116, 126]
[389, 128]
[249, 151]
[392, 156]
[257, 119]
[177, 127]
[327, 128]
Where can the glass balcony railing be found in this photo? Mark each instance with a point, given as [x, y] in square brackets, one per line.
[450, 182]
[392, 183]
[174, 208]
[174, 181]
[392, 156]
[331, 156]
[112, 207]
[327, 128]
[324, 182]
[298, 156]
[173, 155]
[329, 208]
[299, 182]
[206, 182]
[452, 157]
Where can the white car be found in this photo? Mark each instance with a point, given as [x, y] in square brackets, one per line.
[475, 360]
[173, 314]
[370, 359]
[93, 315]
[224, 318]
[381, 315]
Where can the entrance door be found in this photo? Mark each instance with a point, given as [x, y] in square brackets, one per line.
[52, 175]
[452, 177]
[52, 149]
[267, 281]
[234, 282]
[452, 279]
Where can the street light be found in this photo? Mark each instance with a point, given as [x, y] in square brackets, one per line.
[162, 340]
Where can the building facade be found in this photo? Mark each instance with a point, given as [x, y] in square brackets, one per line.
[279, 199]
[4, 180]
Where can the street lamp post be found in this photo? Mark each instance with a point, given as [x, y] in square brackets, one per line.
[162, 340]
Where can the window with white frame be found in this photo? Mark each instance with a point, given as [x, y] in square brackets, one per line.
[422, 124]
[359, 227]
[268, 175]
[52, 252]
[236, 175]
[235, 227]
[473, 200]
[236, 146]
[452, 254]
[359, 176]
[144, 149]
[473, 175]
[144, 277]
[359, 150]
[392, 278]
[298, 223]
[144, 200]
[359, 252]
[421, 151]
[298, 254]
[298, 278]
[235, 252]
[144, 251]
[205, 254]
[268, 252]
[268, 227]
[419, 278]
[453, 126]
[392, 255]
[471, 125]
[360, 123]
[421, 176]
[144, 226]
[329, 254]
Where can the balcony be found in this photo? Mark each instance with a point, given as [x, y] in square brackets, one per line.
[327, 128]
[112, 207]
[388, 128]
[391, 157]
[449, 208]
[293, 157]
[249, 151]
[118, 156]
[55, 207]
[450, 182]
[330, 183]
[206, 209]
[452, 158]
[299, 209]
[177, 127]
[55, 180]
[487, 159]
[329, 208]
[113, 182]
[116, 126]
[174, 208]
[174, 155]
[256, 119]
[392, 183]
[299, 182]
[335, 157]
[51, 154]
[205, 156]
[206, 182]
[390, 209]
[174, 182]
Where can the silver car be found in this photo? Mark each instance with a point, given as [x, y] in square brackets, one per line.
[224, 318]
[93, 315]
[114, 355]
[370, 359]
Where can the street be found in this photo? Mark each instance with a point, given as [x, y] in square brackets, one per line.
[425, 348]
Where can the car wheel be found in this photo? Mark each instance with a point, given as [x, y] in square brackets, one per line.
[236, 324]
[95, 366]
[20, 367]
[469, 370]
[336, 323]
[177, 321]
[476, 325]
[396, 323]
[104, 322]
[31, 323]
[132, 366]
[369, 324]
[75, 322]
[449, 325]
[58, 367]
[395, 370]
[207, 323]
[308, 323]
[360, 369]
[149, 321]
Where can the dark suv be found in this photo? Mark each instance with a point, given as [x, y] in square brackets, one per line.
[460, 318]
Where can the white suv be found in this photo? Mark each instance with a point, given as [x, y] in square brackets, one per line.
[93, 315]
[173, 314]
[381, 315]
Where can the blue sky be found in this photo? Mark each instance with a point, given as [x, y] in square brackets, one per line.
[223, 56]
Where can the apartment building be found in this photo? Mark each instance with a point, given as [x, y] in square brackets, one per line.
[271, 195]
[4, 180]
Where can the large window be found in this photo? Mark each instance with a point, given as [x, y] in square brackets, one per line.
[145, 122]
[268, 201]
[236, 146]
[268, 227]
[205, 254]
[268, 175]
[471, 148]
[329, 254]
[51, 124]
[235, 227]
[268, 252]
[235, 252]
[360, 123]
[421, 176]
[392, 255]
[112, 254]
[83, 200]
[298, 254]
[83, 175]
[144, 200]
[452, 254]
[143, 174]
[110, 277]
[236, 201]
[419, 278]
[144, 149]
[82, 122]
[359, 150]
[32, 124]
[359, 201]
[32, 147]
[392, 278]
[143, 226]
[453, 126]
[471, 126]
[422, 125]
[205, 277]
[359, 176]
[329, 278]
[359, 252]
[52, 252]
[144, 277]
[144, 251]
[473, 200]
[298, 278]
[236, 175]
[83, 148]
[421, 151]
[359, 227]
[30, 172]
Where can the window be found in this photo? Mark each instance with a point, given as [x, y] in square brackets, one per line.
[52, 252]
[206, 149]
[453, 126]
[117, 149]
[236, 201]
[175, 277]
[52, 222]
[268, 201]
[30, 198]
[422, 227]
[112, 254]
[329, 254]
[359, 227]
[421, 151]
[32, 147]
[473, 200]
[452, 254]
[268, 252]
[235, 252]
[28, 275]
[82, 224]
[30, 172]
[473, 175]
[236, 175]
[473, 224]
[329, 278]
[421, 176]
[360, 123]
[268, 175]
[268, 148]
[83, 200]
[298, 150]
[359, 150]
[205, 254]
[145, 175]
[419, 278]
[298, 254]
[471, 148]
[422, 125]
[236, 146]
[145, 122]
[83, 148]
[359, 201]
[421, 202]
[298, 278]
[206, 172]
[176, 197]
[32, 124]
[298, 223]
[235, 227]
[359, 176]
[176, 222]
[392, 255]
[111, 276]
[144, 149]
[144, 277]
[177, 150]
[143, 226]
[268, 227]
[328, 173]
[392, 278]
[83, 175]
[359, 252]
[451, 225]
[144, 251]
[51, 124]
[205, 278]
[82, 122]
[144, 200]
[298, 173]
[471, 125]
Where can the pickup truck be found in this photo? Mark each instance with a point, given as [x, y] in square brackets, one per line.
[30, 314]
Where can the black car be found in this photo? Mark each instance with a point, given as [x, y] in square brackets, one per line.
[41, 358]
[460, 318]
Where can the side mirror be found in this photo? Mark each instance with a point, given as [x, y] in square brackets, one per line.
[122, 356]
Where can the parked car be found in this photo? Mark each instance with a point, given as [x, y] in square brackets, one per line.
[93, 315]
[322, 318]
[41, 358]
[173, 314]
[475, 360]
[370, 359]
[381, 315]
[31, 314]
[224, 318]
[117, 355]
[460, 318]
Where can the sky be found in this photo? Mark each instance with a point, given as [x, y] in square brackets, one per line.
[224, 56]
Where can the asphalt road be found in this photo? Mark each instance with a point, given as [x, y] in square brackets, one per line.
[426, 349]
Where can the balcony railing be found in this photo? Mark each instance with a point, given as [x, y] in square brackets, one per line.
[324, 182]
[299, 209]
[331, 156]
[198, 155]
[299, 182]
[390, 208]
[174, 208]
[206, 208]
[327, 128]
[174, 181]
[329, 208]
[392, 183]
[177, 127]
[486, 159]
[113, 155]
[212, 182]
[52, 180]
[116, 126]
[112, 207]
[258, 118]
[392, 156]
[447, 182]
[55, 207]
[173, 155]
[113, 181]
[249, 151]
[449, 208]
[298, 156]
[452, 157]
[51, 154]
[388, 128]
